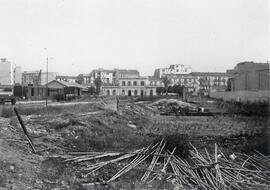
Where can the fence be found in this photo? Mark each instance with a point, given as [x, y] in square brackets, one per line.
[242, 96]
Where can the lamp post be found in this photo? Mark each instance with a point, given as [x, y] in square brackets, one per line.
[47, 68]
[47, 77]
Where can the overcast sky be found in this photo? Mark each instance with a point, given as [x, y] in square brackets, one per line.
[82, 35]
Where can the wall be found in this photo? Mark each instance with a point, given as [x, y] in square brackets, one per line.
[6, 73]
[242, 96]
[119, 91]
[18, 75]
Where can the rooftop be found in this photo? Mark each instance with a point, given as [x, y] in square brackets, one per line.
[67, 84]
[127, 71]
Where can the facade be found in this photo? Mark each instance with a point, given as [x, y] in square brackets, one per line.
[124, 73]
[72, 79]
[190, 82]
[6, 72]
[56, 88]
[18, 75]
[37, 77]
[106, 76]
[203, 82]
[130, 86]
[172, 69]
[250, 76]
[110, 77]
[83, 79]
[10, 74]
[155, 82]
[87, 79]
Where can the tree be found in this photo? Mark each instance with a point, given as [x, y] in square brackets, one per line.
[91, 90]
[178, 89]
[166, 81]
[79, 79]
[98, 84]
[160, 90]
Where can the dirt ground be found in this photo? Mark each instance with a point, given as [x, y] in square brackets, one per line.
[91, 127]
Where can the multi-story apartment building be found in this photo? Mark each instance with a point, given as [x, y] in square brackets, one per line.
[37, 77]
[106, 76]
[72, 79]
[172, 69]
[6, 72]
[200, 81]
[9, 73]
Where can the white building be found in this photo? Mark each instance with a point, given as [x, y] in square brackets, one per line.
[173, 69]
[130, 86]
[105, 75]
[9, 73]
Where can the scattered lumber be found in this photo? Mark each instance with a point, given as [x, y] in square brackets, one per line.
[201, 170]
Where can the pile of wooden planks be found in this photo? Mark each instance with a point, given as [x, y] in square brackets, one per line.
[201, 170]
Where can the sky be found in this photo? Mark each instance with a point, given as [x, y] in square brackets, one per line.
[81, 35]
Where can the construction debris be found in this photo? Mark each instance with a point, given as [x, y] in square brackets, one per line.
[177, 107]
[201, 170]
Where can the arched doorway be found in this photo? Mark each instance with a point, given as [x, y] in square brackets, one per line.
[129, 93]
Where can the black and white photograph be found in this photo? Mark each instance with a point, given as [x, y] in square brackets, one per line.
[134, 94]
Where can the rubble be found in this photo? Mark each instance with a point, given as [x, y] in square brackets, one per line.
[177, 107]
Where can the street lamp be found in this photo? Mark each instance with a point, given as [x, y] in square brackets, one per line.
[47, 68]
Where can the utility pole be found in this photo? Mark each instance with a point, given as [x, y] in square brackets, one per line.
[47, 65]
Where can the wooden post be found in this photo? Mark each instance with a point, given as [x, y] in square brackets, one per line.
[24, 130]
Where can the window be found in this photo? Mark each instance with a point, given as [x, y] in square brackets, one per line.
[135, 92]
[123, 83]
[129, 83]
[123, 92]
[108, 92]
[134, 83]
[142, 83]
[114, 92]
[32, 91]
[177, 70]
